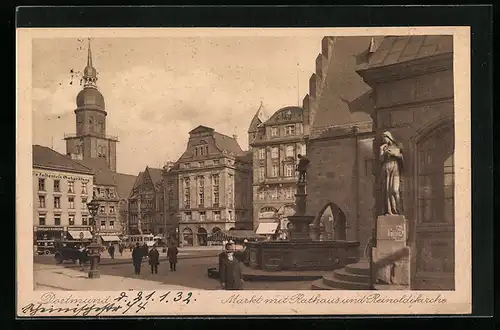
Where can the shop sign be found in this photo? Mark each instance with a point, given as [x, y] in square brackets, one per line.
[50, 228]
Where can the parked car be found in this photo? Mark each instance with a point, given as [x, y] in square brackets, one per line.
[66, 251]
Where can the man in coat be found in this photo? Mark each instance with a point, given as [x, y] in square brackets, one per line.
[230, 272]
[172, 253]
[137, 254]
[154, 259]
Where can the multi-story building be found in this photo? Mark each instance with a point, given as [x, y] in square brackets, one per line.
[146, 203]
[275, 145]
[91, 147]
[208, 189]
[61, 190]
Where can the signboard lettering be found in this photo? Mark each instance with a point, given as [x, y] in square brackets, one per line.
[60, 176]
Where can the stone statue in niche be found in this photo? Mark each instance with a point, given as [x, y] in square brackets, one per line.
[391, 157]
[302, 167]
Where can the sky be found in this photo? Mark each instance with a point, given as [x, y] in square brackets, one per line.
[158, 89]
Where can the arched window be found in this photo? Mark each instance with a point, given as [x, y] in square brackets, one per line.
[202, 236]
[187, 237]
[215, 230]
[435, 202]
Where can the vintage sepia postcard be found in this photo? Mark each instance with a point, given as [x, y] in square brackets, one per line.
[224, 171]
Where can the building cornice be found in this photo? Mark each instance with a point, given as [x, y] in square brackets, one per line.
[404, 70]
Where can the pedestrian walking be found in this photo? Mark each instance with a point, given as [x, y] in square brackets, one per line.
[82, 256]
[120, 248]
[172, 253]
[111, 251]
[154, 259]
[230, 272]
[137, 254]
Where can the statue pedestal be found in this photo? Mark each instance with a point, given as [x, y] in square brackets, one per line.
[300, 227]
[391, 257]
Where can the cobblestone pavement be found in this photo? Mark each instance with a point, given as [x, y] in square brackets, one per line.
[191, 273]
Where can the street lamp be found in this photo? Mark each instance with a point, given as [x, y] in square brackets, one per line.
[94, 247]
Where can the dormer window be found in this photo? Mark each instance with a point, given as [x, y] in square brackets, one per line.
[201, 149]
[288, 115]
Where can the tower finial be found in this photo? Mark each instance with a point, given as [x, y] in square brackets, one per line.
[90, 73]
[89, 56]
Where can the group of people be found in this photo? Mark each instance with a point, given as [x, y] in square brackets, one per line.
[111, 250]
[139, 252]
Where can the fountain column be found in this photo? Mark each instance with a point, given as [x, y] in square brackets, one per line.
[300, 221]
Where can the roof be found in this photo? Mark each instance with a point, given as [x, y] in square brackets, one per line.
[104, 176]
[289, 113]
[227, 143]
[124, 184]
[257, 119]
[155, 173]
[400, 49]
[46, 157]
[333, 107]
[138, 180]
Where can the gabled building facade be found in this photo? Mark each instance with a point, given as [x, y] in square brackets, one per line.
[146, 203]
[275, 145]
[208, 188]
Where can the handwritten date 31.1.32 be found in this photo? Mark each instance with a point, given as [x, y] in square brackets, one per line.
[141, 299]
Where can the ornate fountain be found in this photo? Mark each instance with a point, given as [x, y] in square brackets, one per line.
[300, 252]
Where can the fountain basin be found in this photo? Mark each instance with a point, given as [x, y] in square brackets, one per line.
[301, 255]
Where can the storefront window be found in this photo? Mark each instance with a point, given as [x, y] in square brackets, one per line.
[187, 237]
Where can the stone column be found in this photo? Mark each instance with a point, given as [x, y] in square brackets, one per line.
[300, 221]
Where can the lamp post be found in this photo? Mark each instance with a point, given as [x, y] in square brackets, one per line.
[94, 247]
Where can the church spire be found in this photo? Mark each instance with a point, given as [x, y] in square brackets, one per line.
[90, 73]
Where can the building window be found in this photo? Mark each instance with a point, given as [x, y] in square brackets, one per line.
[262, 196]
[41, 184]
[102, 209]
[188, 216]
[57, 220]
[84, 188]
[41, 202]
[262, 173]
[84, 220]
[71, 202]
[262, 153]
[201, 190]
[111, 209]
[41, 219]
[275, 170]
[71, 187]
[84, 203]
[202, 216]
[57, 186]
[289, 170]
[215, 187]
[274, 131]
[216, 162]
[71, 220]
[230, 215]
[274, 152]
[436, 178]
[217, 215]
[230, 192]
[187, 193]
[103, 224]
[57, 202]
[107, 193]
[290, 151]
[290, 130]
[111, 225]
[289, 193]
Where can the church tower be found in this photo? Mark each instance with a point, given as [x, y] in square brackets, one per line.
[90, 140]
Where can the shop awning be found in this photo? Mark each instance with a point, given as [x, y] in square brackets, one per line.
[84, 234]
[267, 228]
[110, 238]
[235, 234]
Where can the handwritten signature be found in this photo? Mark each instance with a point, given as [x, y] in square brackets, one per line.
[123, 304]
